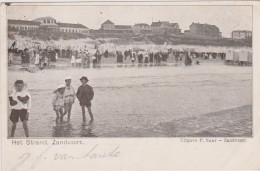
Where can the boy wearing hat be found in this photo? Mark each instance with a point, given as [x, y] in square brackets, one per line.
[69, 97]
[85, 94]
[20, 102]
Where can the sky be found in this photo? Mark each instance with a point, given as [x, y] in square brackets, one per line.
[226, 18]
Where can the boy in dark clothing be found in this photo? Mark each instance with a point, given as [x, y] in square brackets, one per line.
[85, 94]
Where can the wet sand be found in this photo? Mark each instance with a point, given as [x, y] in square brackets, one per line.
[175, 101]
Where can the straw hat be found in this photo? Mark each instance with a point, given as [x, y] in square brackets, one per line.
[68, 78]
[59, 87]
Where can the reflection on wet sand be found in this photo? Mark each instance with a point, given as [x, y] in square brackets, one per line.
[86, 129]
[65, 129]
[144, 100]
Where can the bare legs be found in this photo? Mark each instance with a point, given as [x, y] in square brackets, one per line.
[13, 129]
[89, 111]
[59, 114]
[25, 127]
[83, 113]
[68, 108]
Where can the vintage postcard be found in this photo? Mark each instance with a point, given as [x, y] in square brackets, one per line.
[130, 85]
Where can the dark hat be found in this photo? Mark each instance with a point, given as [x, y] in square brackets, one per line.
[19, 82]
[84, 78]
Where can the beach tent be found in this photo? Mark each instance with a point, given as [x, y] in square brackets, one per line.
[107, 46]
[232, 55]
[243, 56]
[250, 59]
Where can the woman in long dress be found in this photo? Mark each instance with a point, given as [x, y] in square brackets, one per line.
[73, 58]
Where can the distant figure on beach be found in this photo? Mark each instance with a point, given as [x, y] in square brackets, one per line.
[146, 58]
[188, 60]
[20, 102]
[98, 57]
[126, 54]
[37, 60]
[58, 102]
[84, 59]
[32, 61]
[177, 57]
[69, 97]
[78, 59]
[85, 94]
[88, 59]
[140, 58]
[133, 57]
[119, 58]
[73, 58]
[106, 54]
[151, 57]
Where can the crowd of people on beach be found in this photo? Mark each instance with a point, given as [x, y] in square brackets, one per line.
[37, 58]
[141, 57]
[83, 58]
[62, 101]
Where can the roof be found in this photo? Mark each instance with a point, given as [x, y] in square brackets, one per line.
[24, 22]
[141, 24]
[204, 25]
[242, 31]
[44, 18]
[156, 24]
[72, 25]
[159, 23]
[123, 27]
[173, 24]
[108, 22]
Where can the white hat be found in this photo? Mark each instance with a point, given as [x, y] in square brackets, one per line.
[68, 78]
[61, 86]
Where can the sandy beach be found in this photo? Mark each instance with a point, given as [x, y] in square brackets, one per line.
[203, 100]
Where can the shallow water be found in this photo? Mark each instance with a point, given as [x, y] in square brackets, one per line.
[133, 102]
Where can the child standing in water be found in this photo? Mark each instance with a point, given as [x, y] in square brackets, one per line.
[58, 102]
[20, 101]
[69, 97]
[85, 94]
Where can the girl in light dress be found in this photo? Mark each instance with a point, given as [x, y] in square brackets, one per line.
[73, 58]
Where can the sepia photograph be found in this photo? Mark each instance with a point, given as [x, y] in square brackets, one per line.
[130, 71]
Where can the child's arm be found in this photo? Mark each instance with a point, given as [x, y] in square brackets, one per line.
[78, 93]
[29, 103]
[12, 101]
[54, 99]
[74, 94]
[91, 93]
